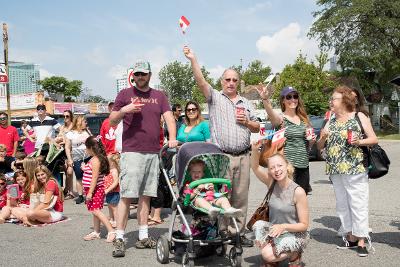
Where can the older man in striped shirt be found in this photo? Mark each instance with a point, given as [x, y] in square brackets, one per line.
[232, 120]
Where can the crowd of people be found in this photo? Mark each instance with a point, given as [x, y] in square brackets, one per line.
[106, 167]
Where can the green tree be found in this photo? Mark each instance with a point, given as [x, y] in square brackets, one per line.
[255, 73]
[96, 99]
[364, 34]
[310, 81]
[57, 84]
[178, 81]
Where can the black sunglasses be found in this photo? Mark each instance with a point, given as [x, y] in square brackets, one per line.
[294, 96]
[66, 116]
[40, 109]
[3, 118]
[191, 109]
[231, 79]
[137, 74]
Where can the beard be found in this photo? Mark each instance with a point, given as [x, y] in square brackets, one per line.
[142, 83]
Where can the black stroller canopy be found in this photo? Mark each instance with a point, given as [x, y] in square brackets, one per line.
[216, 161]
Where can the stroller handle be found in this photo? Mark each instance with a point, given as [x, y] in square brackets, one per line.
[165, 149]
[211, 180]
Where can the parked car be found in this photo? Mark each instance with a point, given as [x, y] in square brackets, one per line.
[94, 121]
[317, 123]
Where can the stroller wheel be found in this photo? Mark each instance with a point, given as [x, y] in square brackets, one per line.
[221, 250]
[235, 258]
[186, 262]
[162, 249]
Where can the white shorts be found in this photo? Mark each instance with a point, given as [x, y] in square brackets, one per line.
[55, 215]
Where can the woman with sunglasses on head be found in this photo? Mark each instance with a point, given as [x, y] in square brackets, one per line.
[294, 118]
[195, 128]
[64, 129]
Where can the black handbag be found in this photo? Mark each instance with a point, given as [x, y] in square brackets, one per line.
[375, 158]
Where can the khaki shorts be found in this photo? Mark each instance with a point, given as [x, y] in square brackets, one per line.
[139, 174]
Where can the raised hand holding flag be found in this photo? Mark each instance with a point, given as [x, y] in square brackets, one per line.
[184, 23]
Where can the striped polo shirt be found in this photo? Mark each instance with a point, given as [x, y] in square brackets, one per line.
[43, 129]
[229, 135]
[296, 143]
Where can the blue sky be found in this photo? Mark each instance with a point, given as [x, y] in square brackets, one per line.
[96, 41]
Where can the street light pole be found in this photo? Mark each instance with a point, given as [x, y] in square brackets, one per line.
[5, 42]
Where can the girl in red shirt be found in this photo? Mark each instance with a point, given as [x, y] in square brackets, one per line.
[93, 185]
[51, 206]
[17, 207]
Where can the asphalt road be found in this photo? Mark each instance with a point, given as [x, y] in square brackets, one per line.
[62, 244]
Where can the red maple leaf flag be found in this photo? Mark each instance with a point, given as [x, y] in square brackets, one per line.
[279, 136]
[184, 23]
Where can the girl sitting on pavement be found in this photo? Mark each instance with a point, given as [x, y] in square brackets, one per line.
[199, 198]
[111, 182]
[3, 191]
[17, 206]
[50, 208]
[93, 185]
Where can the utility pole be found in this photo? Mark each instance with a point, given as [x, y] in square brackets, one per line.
[5, 42]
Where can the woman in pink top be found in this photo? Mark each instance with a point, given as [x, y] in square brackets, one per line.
[93, 185]
[50, 209]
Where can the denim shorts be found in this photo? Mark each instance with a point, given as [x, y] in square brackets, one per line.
[77, 170]
[112, 198]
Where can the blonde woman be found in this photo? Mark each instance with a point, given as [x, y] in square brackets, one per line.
[285, 235]
[75, 150]
[47, 185]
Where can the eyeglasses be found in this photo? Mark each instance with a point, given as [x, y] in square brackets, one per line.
[3, 118]
[137, 74]
[66, 116]
[40, 109]
[190, 110]
[231, 80]
[334, 98]
[290, 96]
[179, 110]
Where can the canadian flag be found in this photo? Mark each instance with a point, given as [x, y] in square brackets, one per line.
[184, 23]
[328, 115]
[279, 136]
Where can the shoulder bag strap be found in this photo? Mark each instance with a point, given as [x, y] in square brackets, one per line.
[359, 122]
[269, 193]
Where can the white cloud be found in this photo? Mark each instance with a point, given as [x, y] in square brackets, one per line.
[282, 47]
[44, 73]
[216, 72]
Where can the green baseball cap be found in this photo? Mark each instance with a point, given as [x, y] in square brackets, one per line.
[142, 66]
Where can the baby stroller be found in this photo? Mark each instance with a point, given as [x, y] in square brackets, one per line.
[201, 236]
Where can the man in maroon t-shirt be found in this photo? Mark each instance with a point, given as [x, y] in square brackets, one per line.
[140, 107]
[107, 133]
[8, 135]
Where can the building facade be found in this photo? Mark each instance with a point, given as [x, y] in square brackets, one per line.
[23, 77]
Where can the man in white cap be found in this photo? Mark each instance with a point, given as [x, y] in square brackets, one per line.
[140, 107]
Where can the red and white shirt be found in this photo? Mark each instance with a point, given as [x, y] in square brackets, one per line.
[88, 175]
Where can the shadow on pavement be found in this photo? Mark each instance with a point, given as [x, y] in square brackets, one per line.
[322, 182]
[389, 238]
[325, 236]
[331, 222]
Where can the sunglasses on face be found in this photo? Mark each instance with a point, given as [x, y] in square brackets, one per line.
[66, 116]
[3, 118]
[231, 80]
[189, 110]
[38, 109]
[137, 74]
[294, 96]
[1, 184]
[179, 110]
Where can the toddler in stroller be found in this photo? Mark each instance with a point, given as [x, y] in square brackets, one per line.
[200, 170]
[204, 197]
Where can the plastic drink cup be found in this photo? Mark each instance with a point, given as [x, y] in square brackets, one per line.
[240, 110]
[309, 133]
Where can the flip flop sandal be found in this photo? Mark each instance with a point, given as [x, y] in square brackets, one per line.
[111, 237]
[154, 222]
[91, 236]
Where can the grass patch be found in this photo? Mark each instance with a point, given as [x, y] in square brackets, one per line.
[389, 136]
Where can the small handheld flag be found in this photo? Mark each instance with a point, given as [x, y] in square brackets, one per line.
[184, 23]
[279, 136]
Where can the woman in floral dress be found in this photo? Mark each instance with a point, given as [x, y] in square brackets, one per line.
[346, 166]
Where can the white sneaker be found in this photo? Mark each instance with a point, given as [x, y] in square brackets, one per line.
[213, 212]
[232, 212]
